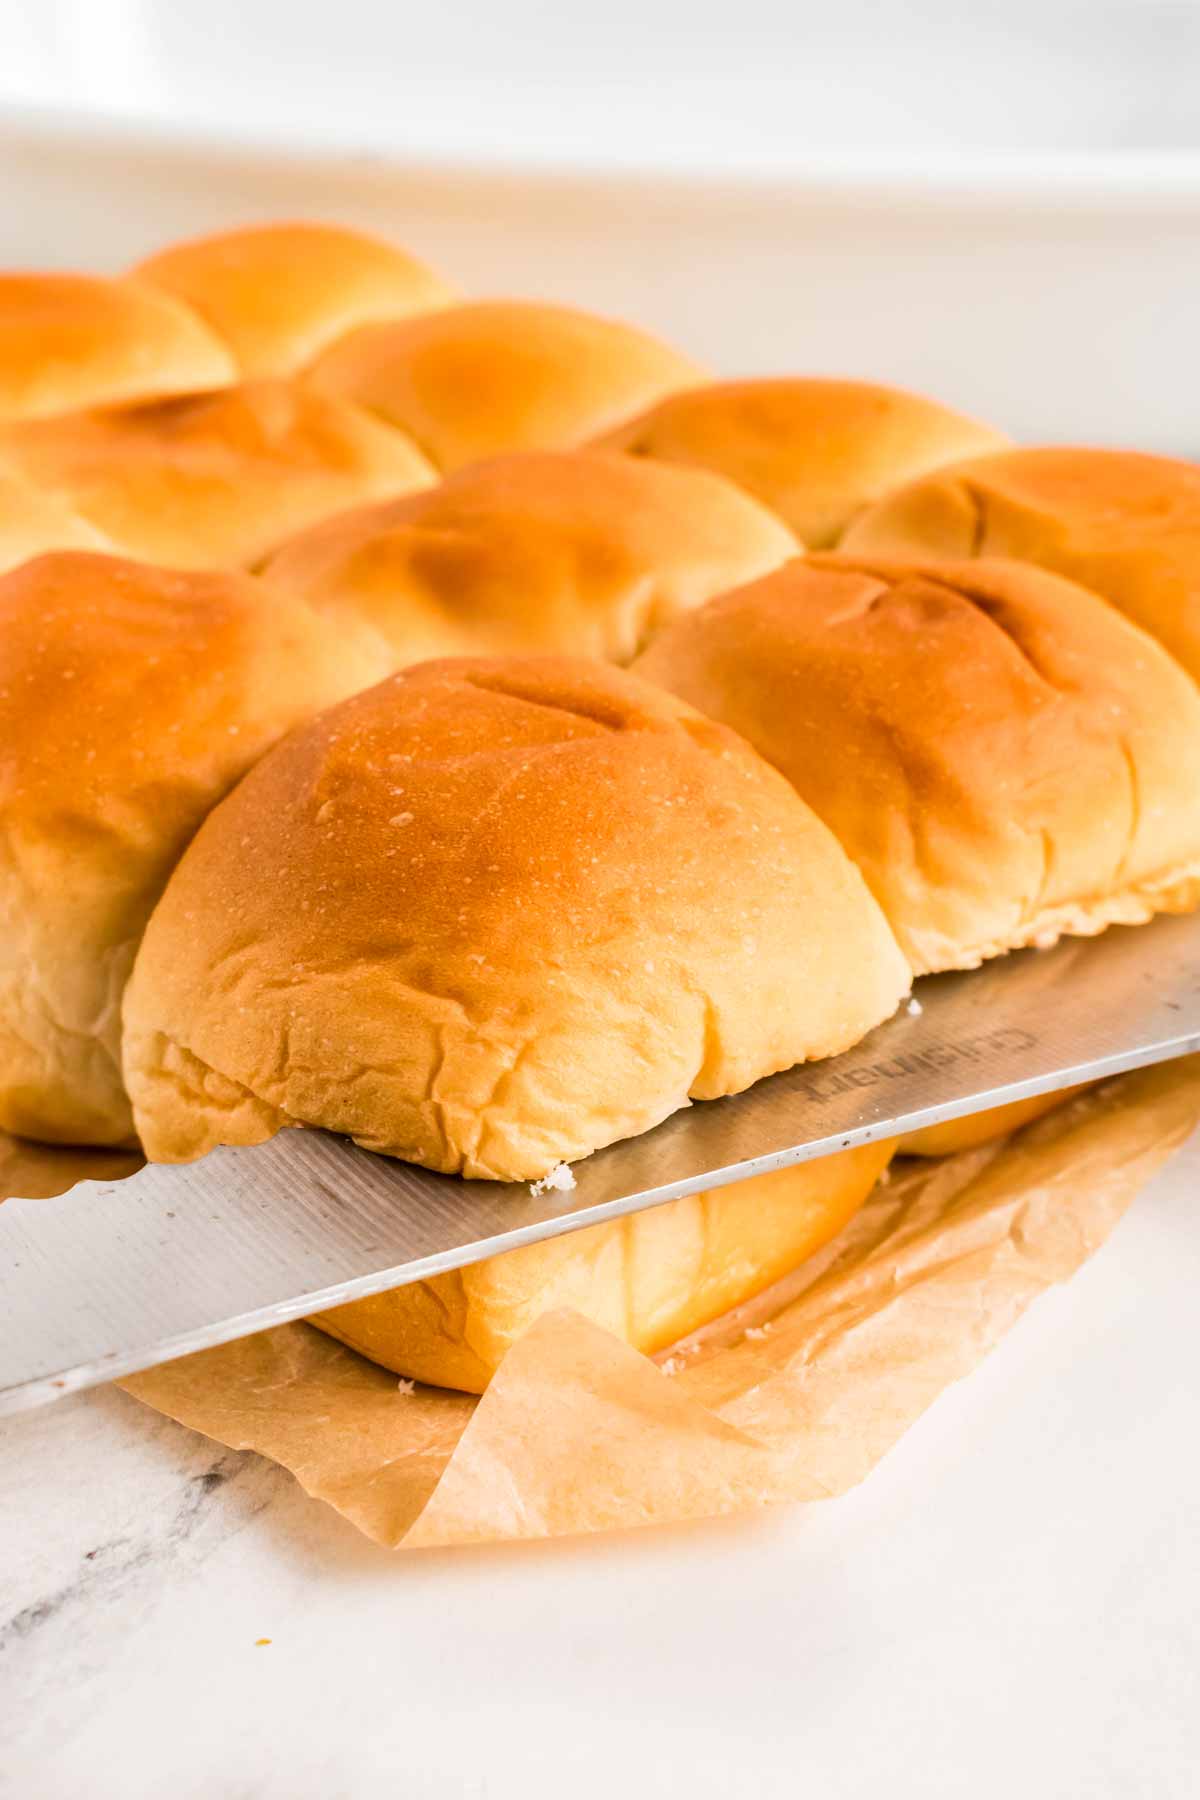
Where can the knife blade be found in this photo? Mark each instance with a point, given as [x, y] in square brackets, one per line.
[118, 1276]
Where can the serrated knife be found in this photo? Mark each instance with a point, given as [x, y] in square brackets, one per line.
[117, 1276]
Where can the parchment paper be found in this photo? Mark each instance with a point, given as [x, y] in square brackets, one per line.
[794, 1397]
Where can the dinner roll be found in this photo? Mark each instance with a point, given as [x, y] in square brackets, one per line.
[490, 916]
[130, 700]
[650, 1278]
[213, 480]
[501, 375]
[43, 1171]
[815, 451]
[278, 293]
[973, 1129]
[1123, 524]
[1004, 756]
[538, 550]
[82, 340]
[31, 522]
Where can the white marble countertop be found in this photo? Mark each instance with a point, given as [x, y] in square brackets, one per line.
[1009, 1605]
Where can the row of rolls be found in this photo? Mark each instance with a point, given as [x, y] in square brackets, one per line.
[468, 727]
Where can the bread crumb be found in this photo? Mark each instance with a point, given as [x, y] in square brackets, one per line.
[559, 1181]
[404, 1386]
[914, 1009]
[757, 1331]
[671, 1366]
[404, 818]
[258, 1642]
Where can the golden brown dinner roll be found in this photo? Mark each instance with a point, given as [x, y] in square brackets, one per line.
[81, 340]
[42, 1171]
[130, 700]
[31, 522]
[650, 1278]
[816, 451]
[278, 293]
[213, 480]
[1004, 756]
[538, 550]
[1123, 524]
[490, 916]
[973, 1129]
[501, 375]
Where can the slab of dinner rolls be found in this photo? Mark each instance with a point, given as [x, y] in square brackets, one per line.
[1005, 757]
[1121, 523]
[650, 1278]
[130, 700]
[498, 375]
[491, 916]
[538, 550]
[85, 340]
[815, 451]
[275, 294]
[213, 480]
[31, 522]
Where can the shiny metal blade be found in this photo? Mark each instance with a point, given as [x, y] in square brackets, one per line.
[117, 1276]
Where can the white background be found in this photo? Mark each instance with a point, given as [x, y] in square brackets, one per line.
[1010, 1605]
[756, 83]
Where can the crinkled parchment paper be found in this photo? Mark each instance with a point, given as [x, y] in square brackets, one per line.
[795, 1397]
